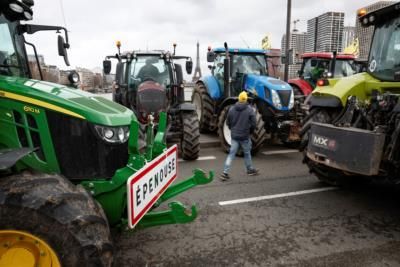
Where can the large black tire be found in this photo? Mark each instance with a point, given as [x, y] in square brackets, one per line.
[324, 173]
[204, 107]
[190, 142]
[60, 213]
[257, 138]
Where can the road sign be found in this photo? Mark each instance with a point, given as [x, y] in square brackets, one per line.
[146, 186]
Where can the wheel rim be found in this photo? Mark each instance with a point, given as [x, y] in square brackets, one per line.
[197, 103]
[227, 133]
[21, 249]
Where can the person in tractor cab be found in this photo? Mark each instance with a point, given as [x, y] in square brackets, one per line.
[148, 71]
[238, 65]
[241, 121]
[317, 71]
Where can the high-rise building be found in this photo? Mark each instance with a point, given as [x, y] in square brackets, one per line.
[297, 47]
[311, 35]
[348, 36]
[325, 32]
[364, 35]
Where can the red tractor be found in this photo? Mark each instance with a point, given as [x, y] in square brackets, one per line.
[316, 64]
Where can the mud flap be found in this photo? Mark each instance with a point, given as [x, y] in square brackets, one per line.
[349, 149]
[9, 157]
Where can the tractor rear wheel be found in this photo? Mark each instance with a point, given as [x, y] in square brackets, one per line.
[190, 142]
[257, 138]
[48, 221]
[204, 107]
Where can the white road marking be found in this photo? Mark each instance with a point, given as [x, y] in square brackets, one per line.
[201, 158]
[275, 152]
[290, 194]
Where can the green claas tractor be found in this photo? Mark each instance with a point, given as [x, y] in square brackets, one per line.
[70, 167]
[151, 81]
[353, 127]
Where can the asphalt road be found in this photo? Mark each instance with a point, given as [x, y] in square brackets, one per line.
[358, 225]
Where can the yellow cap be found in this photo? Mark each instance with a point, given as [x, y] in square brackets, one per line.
[243, 97]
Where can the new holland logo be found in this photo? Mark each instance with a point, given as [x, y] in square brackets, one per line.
[323, 142]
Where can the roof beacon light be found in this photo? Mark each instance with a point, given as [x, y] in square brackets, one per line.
[362, 12]
[118, 43]
[209, 48]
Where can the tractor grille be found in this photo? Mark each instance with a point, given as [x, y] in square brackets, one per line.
[267, 93]
[80, 153]
[285, 96]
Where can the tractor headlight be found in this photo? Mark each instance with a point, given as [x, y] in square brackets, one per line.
[291, 101]
[73, 77]
[116, 135]
[276, 100]
[16, 7]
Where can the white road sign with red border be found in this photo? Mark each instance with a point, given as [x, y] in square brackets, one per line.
[146, 186]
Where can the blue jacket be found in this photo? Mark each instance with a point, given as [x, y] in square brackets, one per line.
[241, 120]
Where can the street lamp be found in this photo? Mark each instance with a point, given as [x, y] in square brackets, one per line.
[288, 18]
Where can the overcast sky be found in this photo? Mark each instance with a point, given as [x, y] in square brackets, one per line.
[94, 26]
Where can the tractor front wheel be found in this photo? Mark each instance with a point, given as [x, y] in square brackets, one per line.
[190, 142]
[257, 138]
[47, 221]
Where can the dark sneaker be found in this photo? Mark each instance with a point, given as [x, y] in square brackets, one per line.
[224, 176]
[253, 172]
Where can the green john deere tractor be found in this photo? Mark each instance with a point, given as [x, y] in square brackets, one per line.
[70, 167]
[353, 126]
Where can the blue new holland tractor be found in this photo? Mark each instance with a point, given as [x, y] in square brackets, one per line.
[236, 70]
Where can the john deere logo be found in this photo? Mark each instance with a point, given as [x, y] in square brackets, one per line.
[31, 110]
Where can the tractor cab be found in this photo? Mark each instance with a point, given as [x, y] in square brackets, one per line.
[319, 65]
[148, 81]
[13, 56]
[243, 63]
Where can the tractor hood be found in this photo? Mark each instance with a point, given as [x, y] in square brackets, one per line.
[266, 88]
[359, 85]
[256, 82]
[69, 101]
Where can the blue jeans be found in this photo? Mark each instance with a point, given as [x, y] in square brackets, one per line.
[246, 147]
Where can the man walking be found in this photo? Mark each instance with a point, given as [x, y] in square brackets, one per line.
[241, 120]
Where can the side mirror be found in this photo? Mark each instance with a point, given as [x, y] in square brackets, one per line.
[107, 66]
[189, 66]
[210, 56]
[119, 75]
[62, 49]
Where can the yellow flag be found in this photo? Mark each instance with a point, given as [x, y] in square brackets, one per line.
[266, 42]
[353, 48]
